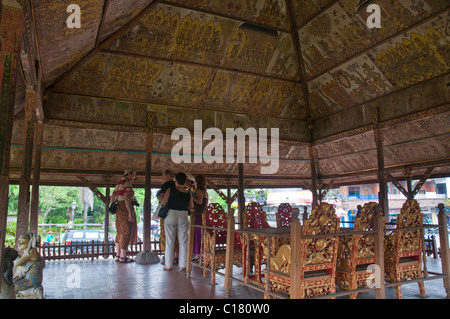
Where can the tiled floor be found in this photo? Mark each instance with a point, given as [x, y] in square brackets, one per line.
[106, 279]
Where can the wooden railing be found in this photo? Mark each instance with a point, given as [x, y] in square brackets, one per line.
[90, 250]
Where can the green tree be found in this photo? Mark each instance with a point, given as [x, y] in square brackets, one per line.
[13, 199]
[52, 198]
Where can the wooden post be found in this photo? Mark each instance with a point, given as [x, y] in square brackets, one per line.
[380, 292]
[409, 188]
[314, 169]
[443, 238]
[107, 180]
[382, 194]
[190, 248]
[229, 256]
[11, 26]
[23, 215]
[148, 172]
[267, 279]
[241, 196]
[34, 210]
[296, 255]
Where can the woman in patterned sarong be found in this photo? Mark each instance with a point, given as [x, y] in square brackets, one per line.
[125, 216]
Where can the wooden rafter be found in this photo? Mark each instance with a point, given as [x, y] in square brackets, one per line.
[298, 50]
[409, 192]
[399, 186]
[102, 22]
[422, 181]
[94, 189]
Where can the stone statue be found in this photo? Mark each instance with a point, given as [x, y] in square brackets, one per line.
[7, 286]
[27, 273]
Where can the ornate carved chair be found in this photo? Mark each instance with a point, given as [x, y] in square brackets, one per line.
[254, 218]
[357, 252]
[403, 249]
[317, 257]
[214, 241]
[284, 215]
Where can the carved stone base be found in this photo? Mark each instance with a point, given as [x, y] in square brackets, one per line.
[147, 258]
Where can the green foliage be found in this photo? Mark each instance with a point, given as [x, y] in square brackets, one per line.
[10, 239]
[13, 204]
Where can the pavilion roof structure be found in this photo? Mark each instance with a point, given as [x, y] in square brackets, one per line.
[311, 68]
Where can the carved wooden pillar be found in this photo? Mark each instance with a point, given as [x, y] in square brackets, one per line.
[445, 256]
[241, 196]
[380, 292]
[296, 255]
[23, 216]
[148, 172]
[382, 195]
[107, 180]
[34, 211]
[11, 26]
[314, 172]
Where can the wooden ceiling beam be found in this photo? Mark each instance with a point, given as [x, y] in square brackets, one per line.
[298, 50]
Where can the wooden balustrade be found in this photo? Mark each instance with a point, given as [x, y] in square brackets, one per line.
[90, 250]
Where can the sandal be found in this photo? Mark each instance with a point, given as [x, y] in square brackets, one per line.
[167, 268]
[126, 260]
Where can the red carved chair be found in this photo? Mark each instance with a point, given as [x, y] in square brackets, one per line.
[214, 241]
[357, 252]
[254, 218]
[403, 249]
[284, 215]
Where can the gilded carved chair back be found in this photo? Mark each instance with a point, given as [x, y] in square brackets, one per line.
[403, 249]
[284, 215]
[356, 252]
[322, 249]
[353, 247]
[406, 242]
[317, 260]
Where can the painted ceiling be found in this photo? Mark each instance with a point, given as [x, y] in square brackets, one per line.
[259, 63]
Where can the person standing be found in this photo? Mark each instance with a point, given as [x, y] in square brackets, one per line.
[179, 201]
[200, 202]
[126, 224]
[168, 178]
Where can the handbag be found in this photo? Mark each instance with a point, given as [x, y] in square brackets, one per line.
[112, 208]
[164, 210]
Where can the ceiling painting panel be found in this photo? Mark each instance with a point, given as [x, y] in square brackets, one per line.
[180, 34]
